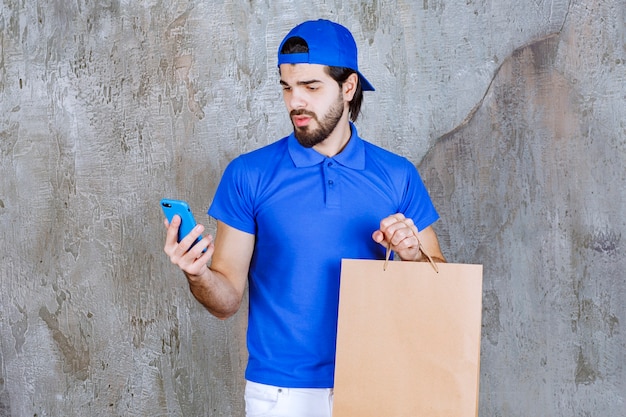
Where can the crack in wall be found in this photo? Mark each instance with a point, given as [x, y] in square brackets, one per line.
[516, 51]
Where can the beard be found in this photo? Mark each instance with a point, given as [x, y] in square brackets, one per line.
[309, 137]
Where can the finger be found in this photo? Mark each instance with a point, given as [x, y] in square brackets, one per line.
[401, 236]
[378, 236]
[196, 260]
[171, 236]
[399, 216]
[391, 220]
[185, 244]
[193, 257]
[397, 231]
[404, 234]
[411, 224]
[204, 245]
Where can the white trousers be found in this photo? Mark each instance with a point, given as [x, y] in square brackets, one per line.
[269, 401]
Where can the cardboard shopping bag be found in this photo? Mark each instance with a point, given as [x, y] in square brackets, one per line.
[408, 341]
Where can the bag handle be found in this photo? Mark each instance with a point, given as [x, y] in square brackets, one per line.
[420, 247]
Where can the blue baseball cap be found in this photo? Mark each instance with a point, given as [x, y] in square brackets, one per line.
[329, 44]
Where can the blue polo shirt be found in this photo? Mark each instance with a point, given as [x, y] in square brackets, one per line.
[307, 212]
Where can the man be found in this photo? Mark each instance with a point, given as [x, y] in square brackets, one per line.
[289, 212]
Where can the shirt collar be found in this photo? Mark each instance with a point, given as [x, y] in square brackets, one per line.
[352, 156]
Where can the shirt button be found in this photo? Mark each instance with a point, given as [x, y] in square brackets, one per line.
[330, 182]
[330, 164]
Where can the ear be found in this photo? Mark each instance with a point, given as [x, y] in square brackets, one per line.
[349, 86]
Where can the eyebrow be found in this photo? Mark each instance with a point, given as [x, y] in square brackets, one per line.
[301, 82]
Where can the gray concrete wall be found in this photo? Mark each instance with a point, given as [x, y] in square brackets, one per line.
[513, 111]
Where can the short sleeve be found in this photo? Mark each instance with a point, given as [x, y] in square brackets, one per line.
[416, 203]
[233, 202]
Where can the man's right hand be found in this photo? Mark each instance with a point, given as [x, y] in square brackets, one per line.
[220, 287]
[191, 260]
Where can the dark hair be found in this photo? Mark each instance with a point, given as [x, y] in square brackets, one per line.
[297, 45]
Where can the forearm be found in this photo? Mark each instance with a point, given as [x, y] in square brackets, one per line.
[215, 293]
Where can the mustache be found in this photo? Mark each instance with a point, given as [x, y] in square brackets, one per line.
[302, 112]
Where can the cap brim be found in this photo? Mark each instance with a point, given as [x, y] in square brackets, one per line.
[365, 85]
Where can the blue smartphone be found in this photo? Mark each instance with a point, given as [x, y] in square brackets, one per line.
[188, 222]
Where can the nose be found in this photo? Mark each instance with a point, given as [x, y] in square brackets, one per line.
[296, 99]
